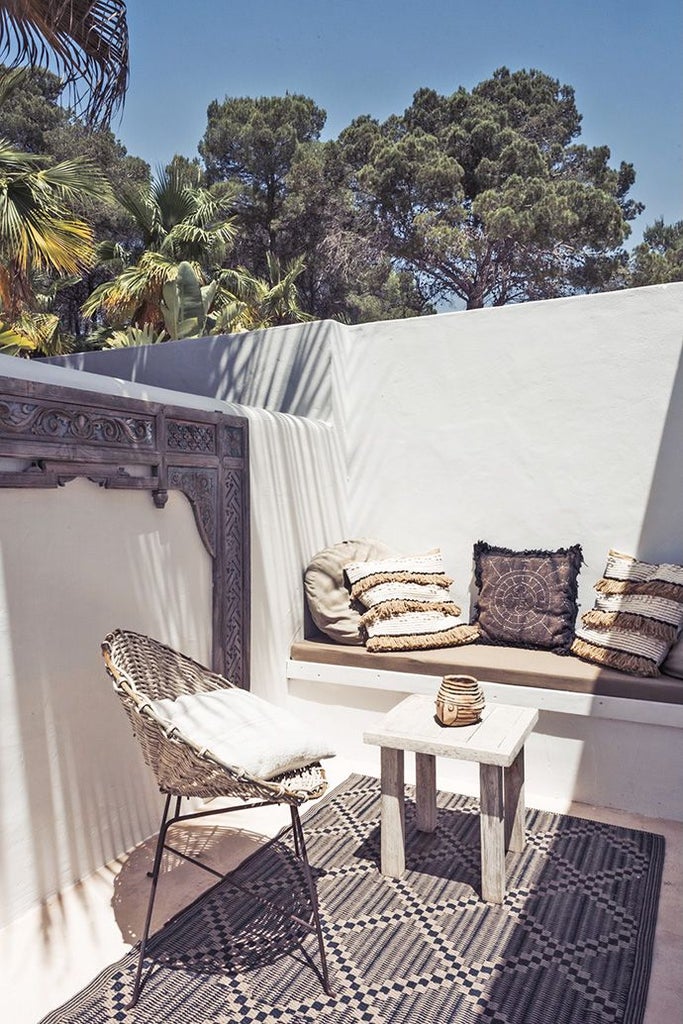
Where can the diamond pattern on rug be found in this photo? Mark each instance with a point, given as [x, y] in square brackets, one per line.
[571, 943]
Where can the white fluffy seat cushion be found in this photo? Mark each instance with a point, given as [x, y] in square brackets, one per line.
[243, 731]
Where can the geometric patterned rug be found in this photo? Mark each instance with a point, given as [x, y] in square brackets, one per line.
[571, 944]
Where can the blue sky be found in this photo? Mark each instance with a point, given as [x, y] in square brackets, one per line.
[369, 56]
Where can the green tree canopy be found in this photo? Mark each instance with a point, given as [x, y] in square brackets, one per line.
[659, 257]
[486, 197]
[252, 143]
[33, 119]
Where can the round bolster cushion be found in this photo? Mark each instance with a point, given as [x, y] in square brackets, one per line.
[329, 601]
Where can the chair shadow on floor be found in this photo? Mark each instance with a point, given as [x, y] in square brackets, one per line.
[204, 925]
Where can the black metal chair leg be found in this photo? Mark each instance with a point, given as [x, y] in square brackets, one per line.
[150, 905]
[300, 842]
[295, 831]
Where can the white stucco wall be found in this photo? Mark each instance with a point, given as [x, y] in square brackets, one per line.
[537, 425]
[78, 561]
[531, 426]
[283, 369]
[75, 563]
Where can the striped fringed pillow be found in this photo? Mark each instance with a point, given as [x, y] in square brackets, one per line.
[421, 569]
[418, 631]
[637, 616]
[622, 649]
[626, 575]
[409, 607]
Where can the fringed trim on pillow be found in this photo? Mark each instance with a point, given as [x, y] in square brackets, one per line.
[396, 606]
[626, 567]
[634, 664]
[424, 578]
[455, 637]
[628, 620]
[657, 588]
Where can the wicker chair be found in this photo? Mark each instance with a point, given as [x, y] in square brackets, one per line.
[142, 669]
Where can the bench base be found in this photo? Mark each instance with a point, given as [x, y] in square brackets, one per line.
[584, 749]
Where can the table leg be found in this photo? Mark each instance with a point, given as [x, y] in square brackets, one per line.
[425, 792]
[393, 828]
[492, 826]
[514, 804]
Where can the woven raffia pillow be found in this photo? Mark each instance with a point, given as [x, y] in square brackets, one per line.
[637, 616]
[409, 607]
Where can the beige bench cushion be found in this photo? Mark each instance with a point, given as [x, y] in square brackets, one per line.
[499, 665]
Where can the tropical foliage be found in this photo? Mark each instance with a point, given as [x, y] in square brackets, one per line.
[177, 222]
[481, 197]
[87, 42]
[39, 233]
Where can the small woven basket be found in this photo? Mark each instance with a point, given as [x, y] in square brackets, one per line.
[460, 701]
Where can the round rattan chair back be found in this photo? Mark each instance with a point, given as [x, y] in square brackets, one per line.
[143, 670]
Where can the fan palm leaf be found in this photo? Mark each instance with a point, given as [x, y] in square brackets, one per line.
[34, 333]
[38, 231]
[85, 40]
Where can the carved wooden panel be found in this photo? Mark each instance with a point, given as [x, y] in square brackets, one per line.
[49, 421]
[53, 434]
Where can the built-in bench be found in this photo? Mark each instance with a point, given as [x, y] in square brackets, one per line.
[511, 675]
[603, 737]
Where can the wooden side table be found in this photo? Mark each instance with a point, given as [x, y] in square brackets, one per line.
[496, 743]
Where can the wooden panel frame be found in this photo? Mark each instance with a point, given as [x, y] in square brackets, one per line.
[60, 433]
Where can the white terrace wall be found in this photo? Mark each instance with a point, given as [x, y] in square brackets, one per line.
[528, 426]
[78, 561]
[537, 425]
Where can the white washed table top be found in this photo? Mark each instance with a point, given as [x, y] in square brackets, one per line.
[496, 739]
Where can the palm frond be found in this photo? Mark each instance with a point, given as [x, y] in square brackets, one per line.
[137, 202]
[172, 196]
[34, 333]
[85, 40]
[132, 337]
[76, 178]
[14, 343]
[13, 161]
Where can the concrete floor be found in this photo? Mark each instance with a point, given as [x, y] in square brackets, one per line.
[51, 953]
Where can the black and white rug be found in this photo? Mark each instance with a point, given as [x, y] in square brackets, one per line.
[571, 944]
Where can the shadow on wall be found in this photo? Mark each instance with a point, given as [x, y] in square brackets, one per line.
[284, 369]
[75, 564]
[661, 535]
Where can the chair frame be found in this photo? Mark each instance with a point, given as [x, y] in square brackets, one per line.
[142, 668]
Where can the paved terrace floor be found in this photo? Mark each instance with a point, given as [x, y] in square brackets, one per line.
[52, 952]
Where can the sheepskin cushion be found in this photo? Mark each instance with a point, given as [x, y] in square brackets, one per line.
[327, 595]
[243, 731]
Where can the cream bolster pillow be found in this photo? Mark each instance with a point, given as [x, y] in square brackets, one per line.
[243, 731]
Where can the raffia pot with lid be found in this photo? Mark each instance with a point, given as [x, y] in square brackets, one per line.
[460, 701]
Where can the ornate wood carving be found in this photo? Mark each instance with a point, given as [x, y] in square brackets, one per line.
[35, 420]
[191, 437]
[53, 434]
[199, 485]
